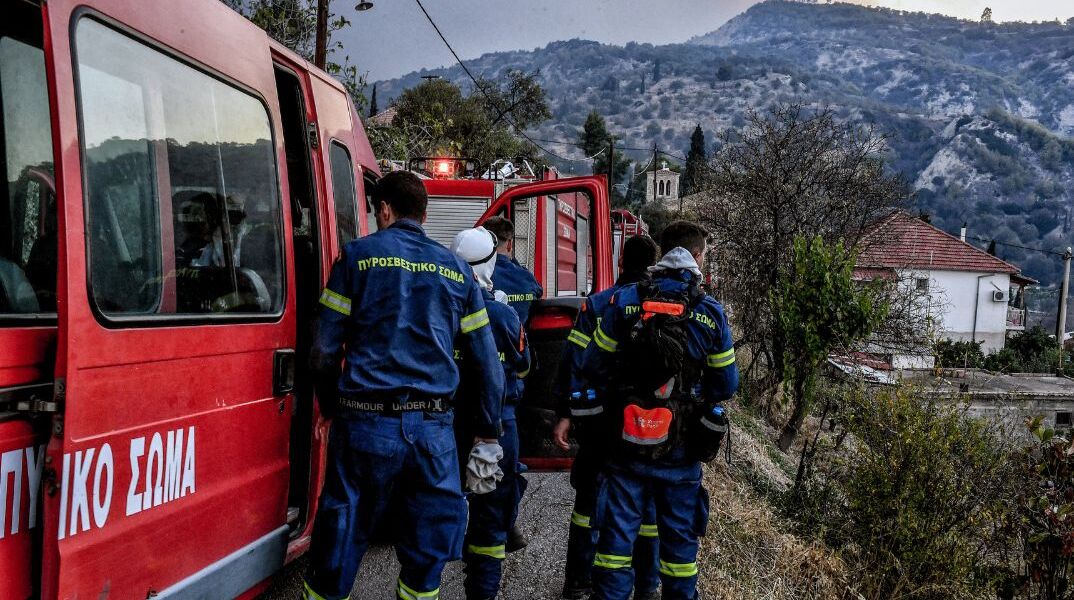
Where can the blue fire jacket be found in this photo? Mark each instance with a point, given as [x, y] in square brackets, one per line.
[514, 353]
[571, 377]
[709, 336]
[519, 284]
[398, 303]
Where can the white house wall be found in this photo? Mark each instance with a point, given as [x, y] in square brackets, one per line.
[952, 299]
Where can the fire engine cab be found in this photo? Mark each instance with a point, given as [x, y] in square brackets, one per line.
[178, 186]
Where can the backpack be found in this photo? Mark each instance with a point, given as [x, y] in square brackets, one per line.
[656, 375]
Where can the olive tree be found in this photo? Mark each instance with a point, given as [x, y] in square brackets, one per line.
[819, 308]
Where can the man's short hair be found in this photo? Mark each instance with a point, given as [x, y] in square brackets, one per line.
[639, 253]
[502, 227]
[684, 234]
[404, 192]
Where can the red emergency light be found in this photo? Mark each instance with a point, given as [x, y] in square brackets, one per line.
[445, 167]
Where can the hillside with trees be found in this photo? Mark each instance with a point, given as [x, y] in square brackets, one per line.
[977, 115]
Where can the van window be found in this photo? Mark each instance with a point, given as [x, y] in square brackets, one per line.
[28, 234]
[182, 203]
[343, 194]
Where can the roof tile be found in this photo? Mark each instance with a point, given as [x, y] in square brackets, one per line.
[903, 241]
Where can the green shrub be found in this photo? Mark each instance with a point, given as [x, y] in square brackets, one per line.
[907, 498]
[958, 355]
[1040, 520]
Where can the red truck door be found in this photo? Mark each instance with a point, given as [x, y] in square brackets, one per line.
[166, 473]
[547, 217]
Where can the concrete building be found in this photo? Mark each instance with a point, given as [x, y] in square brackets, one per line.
[662, 186]
[964, 292]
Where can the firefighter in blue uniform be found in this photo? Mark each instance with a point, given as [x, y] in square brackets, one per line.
[581, 403]
[668, 430]
[510, 277]
[395, 307]
[522, 290]
[493, 513]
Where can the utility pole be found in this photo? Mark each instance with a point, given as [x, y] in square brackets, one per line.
[611, 166]
[652, 165]
[1061, 325]
[320, 56]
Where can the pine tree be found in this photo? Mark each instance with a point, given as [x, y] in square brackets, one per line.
[373, 102]
[986, 16]
[694, 172]
[595, 134]
[656, 72]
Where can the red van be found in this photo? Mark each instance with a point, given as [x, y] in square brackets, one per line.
[177, 187]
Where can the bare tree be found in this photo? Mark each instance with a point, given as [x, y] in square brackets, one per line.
[793, 171]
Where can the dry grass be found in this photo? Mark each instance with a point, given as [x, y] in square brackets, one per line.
[748, 552]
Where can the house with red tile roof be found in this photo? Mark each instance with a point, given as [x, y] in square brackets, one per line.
[968, 294]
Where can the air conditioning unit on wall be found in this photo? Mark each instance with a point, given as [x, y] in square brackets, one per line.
[1001, 296]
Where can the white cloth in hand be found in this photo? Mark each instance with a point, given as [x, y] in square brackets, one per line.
[483, 470]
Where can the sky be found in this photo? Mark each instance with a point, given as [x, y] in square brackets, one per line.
[393, 38]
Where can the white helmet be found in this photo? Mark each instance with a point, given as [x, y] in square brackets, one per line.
[477, 247]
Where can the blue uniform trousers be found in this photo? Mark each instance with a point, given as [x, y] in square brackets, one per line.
[582, 536]
[682, 510]
[373, 459]
[491, 517]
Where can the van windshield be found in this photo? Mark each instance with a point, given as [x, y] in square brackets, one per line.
[28, 234]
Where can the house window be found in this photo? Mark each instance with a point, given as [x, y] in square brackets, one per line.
[922, 284]
[1062, 419]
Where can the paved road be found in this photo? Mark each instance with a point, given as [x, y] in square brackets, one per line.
[535, 573]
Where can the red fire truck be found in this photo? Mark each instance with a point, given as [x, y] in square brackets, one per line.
[177, 187]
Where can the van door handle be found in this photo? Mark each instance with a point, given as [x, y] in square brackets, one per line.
[283, 372]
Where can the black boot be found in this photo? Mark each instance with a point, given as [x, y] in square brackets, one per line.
[576, 591]
[516, 540]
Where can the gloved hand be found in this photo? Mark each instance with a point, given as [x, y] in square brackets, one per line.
[483, 470]
[500, 296]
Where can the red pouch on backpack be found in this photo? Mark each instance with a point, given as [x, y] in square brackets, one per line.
[646, 426]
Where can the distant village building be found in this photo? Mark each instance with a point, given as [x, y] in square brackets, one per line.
[662, 187]
[967, 294]
[384, 117]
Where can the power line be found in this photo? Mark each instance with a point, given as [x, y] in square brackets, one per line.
[1041, 250]
[481, 88]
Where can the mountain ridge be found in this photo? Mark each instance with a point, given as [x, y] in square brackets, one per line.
[979, 114]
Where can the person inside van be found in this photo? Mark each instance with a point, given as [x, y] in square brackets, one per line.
[218, 208]
[193, 229]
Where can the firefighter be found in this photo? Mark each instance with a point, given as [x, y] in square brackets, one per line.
[395, 305]
[522, 290]
[577, 401]
[664, 349]
[492, 514]
[510, 277]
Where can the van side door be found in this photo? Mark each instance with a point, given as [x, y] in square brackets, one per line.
[167, 470]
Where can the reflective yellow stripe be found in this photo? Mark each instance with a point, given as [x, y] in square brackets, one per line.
[678, 569]
[579, 339]
[611, 561]
[493, 551]
[336, 302]
[723, 359]
[475, 321]
[309, 594]
[580, 520]
[407, 593]
[648, 530]
[605, 342]
[523, 374]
